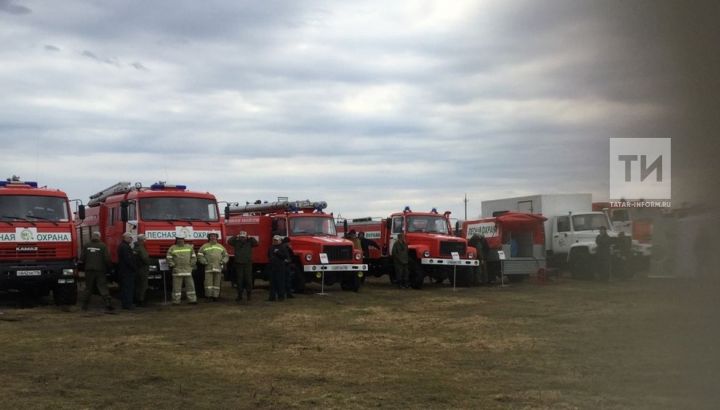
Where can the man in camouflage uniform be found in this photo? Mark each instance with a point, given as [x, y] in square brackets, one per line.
[182, 259]
[96, 260]
[242, 246]
[142, 262]
[213, 256]
[400, 262]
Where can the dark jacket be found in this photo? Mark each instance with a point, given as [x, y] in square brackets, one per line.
[278, 257]
[400, 253]
[603, 244]
[366, 244]
[142, 259]
[126, 259]
[242, 249]
[95, 256]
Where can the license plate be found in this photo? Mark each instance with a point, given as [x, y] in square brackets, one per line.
[29, 273]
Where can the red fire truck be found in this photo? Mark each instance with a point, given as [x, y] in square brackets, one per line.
[434, 251]
[318, 254]
[38, 246]
[160, 212]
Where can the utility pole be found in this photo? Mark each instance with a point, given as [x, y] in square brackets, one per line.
[466, 201]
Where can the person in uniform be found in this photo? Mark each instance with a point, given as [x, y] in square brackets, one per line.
[352, 236]
[213, 256]
[96, 262]
[366, 244]
[142, 262]
[289, 274]
[181, 259]
[277, 264]
[126, 270]
[242, 246]
[603, 241]
[476, 242]
[400, 262]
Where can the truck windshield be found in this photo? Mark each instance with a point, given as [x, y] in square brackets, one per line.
[32, 207]
[427, 224]
[174, 209]
[320, 225]
[589, 222]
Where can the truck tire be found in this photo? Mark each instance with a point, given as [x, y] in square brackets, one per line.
[579, 264]
[417, 274]
[351, 283]
[65, 294]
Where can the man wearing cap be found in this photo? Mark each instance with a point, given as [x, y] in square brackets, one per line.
[126, 271]
[96, 262]
[213, 256]
[142, 261]
[242, 247]
[182, 259]
[278, 259]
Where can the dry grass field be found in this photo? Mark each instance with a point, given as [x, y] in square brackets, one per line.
[633, 344]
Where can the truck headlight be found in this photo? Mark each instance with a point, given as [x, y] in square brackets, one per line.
[68, 272]
[471, 255]
[308, 257]
[358, 256]
[426, 254]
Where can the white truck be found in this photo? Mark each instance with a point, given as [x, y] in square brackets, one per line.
[570, 229]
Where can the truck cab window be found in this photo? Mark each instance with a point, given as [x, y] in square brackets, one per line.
[397, 224]
[279, 227]
[563, 224]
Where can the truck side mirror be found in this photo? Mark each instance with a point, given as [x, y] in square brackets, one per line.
[81, 212]
[227, 212]
[124, 211]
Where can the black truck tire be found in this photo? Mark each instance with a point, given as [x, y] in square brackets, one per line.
[417, 274]
[65, 294]
[351, 283]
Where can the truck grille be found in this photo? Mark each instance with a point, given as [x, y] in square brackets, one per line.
[447, 247]
[338, 253]
[28, 252]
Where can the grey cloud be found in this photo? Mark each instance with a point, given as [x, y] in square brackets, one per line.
[104, 60]
[9, 6]
[50, 47]
[139, 66]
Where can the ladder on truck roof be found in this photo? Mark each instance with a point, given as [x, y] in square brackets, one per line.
[119, 188]
[278, 206]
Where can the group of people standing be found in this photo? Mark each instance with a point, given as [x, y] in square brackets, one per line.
[133, 268]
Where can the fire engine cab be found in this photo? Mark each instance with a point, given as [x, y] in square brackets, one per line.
[159, 212]
[433, 250]
[318, 254]
[38, 250]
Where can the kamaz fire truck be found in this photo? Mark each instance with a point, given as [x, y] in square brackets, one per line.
[318, 254]
[160, 212]
[434, 251]
[38, 246]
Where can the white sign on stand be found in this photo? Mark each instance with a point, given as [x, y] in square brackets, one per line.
[324, 260]
[501, 256]
[455, 258]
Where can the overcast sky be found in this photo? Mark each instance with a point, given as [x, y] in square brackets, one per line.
[368, 105]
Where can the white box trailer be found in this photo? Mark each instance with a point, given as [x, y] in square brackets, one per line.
[548, 205]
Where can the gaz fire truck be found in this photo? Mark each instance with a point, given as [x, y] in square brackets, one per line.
[434, 251]
[160, 212]
[318, 254]
[38, 246]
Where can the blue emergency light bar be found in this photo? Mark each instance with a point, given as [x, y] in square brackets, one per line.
[31, 184]
[159, 186]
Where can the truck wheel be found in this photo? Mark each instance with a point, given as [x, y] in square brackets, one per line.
[351, 283]
[417, 274]
[580, 264]
[65, 294]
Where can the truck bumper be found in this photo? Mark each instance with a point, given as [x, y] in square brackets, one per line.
[20, 276]
[336, 268]
[450, 262]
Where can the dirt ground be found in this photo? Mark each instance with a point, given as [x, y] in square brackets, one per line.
[644, 343]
